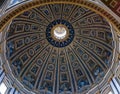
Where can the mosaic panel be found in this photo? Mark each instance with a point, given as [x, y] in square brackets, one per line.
[114, 5]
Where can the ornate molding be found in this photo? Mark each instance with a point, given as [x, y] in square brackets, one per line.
[15, 12]
[110, 78]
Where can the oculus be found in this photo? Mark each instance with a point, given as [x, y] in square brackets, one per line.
[60, 33]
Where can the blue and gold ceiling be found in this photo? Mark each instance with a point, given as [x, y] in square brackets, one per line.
[73, 65]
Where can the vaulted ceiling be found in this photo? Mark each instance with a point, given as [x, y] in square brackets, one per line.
[75, 64]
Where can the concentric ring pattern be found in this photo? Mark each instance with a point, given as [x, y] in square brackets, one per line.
[60, 43]
[73, 68]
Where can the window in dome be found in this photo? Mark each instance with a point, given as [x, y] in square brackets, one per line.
[110, 92]
[13, 2]
[3, 88]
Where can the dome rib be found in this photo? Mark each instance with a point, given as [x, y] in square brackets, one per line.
[74, 63]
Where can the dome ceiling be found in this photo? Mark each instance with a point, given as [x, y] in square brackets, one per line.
[2, 2]
[59, 48]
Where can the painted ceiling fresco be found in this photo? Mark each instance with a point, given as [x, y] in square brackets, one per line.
[74, 64]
